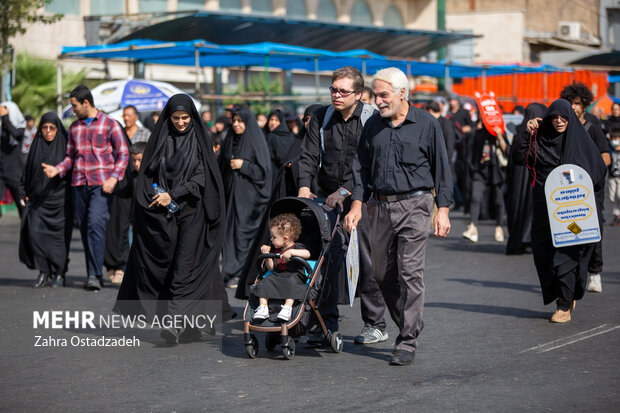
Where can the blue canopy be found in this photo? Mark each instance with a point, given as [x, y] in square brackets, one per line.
[207, 54]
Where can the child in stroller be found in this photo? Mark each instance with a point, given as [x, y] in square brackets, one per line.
[317, 226]
[288, 279]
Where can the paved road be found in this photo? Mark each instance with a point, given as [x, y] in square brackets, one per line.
[487, 346]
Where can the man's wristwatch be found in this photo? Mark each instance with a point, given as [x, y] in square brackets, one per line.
[343, 192]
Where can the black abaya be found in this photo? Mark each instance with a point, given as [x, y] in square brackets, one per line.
[279, 142]
[562, 271]
[117, 233]
[47, 220]
[519, 195]
[173, 262]
[247, 191]
[285, 183]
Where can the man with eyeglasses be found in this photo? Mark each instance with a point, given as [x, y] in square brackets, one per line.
[328, 151]
[401, 158]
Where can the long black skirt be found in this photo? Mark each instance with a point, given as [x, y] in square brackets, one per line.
[45, 234]
[170, 269]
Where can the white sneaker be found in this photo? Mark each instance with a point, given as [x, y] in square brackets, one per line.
[499, 234]
[285, 313]
[471, 233]
[594, 283]
[261, 313]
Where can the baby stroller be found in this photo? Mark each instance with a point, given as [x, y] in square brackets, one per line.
[317, 232]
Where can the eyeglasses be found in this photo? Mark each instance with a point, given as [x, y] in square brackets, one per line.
[341, 92]
[49, 127]
[558, 118]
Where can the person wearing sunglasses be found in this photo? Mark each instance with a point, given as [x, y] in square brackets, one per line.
[327, 152]
[546, 143]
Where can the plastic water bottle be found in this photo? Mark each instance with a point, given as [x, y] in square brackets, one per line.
[172, 206]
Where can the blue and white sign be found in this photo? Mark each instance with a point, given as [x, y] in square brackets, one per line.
[571, 207]
[353, 265]
[144, 96]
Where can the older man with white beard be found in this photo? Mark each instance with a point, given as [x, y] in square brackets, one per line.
[401, 158]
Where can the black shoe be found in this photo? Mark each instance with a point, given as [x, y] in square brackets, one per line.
[93, 284]
[190, 335]
[170, 335]
[41, 279]
[316, 338]
[58, 281]
[401, 358]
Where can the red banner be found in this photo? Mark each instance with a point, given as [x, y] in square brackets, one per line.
[490, 111]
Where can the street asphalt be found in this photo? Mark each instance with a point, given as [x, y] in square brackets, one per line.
[487, 346]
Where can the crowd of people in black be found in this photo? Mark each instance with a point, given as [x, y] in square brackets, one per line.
[158, 206]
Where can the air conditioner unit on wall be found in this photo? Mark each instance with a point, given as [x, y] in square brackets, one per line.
[569, 30]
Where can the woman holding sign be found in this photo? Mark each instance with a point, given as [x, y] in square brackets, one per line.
[559, 138]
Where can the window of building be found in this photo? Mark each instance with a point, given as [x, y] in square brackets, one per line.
[326, 11]
[191, 5]
[296, 8]
[67, 7]
[262, 6]
[234, 5]
[152, 6]
[99, 8]
[392, 17]
[360, 14]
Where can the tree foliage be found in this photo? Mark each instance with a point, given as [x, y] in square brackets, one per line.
[257, 87]
[35, 84]
[14, 14]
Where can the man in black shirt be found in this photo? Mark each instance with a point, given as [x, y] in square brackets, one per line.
[328, 150]
[580, 98]
[400, 159]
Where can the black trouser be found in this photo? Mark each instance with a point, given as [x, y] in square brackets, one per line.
[595, 266]
[13, 185]
[477, 195]
[372, 303]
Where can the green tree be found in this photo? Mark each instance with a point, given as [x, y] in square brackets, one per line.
[257, 87]
[14, 14]
[35, 84]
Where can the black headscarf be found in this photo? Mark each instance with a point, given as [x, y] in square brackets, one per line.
[153, 253]
[519, 194]
[41, 151]
[179, 152]
[177, 155]
[250, 145]
[573, 146]
[247, 190]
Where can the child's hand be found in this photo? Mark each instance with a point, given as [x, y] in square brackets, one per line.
[264, 249]
[286, 255]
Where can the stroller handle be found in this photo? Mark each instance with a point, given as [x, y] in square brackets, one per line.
[300, 260]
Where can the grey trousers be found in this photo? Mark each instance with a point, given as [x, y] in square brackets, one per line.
[398, 235]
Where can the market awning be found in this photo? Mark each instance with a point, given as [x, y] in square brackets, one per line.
[234, 29]
[205, 54]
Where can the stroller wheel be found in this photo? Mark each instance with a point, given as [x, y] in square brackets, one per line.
[271, 341]
[288, 351]
[252, 348]
[336, 342]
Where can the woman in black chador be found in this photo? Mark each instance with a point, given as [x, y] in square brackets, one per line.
[560, 139]
[279, 140]
[173, 263]
[47, 219]
[246, 170]
[519, 195]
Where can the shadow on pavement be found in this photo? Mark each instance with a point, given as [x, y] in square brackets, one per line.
[489, 309]
[497, 284]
